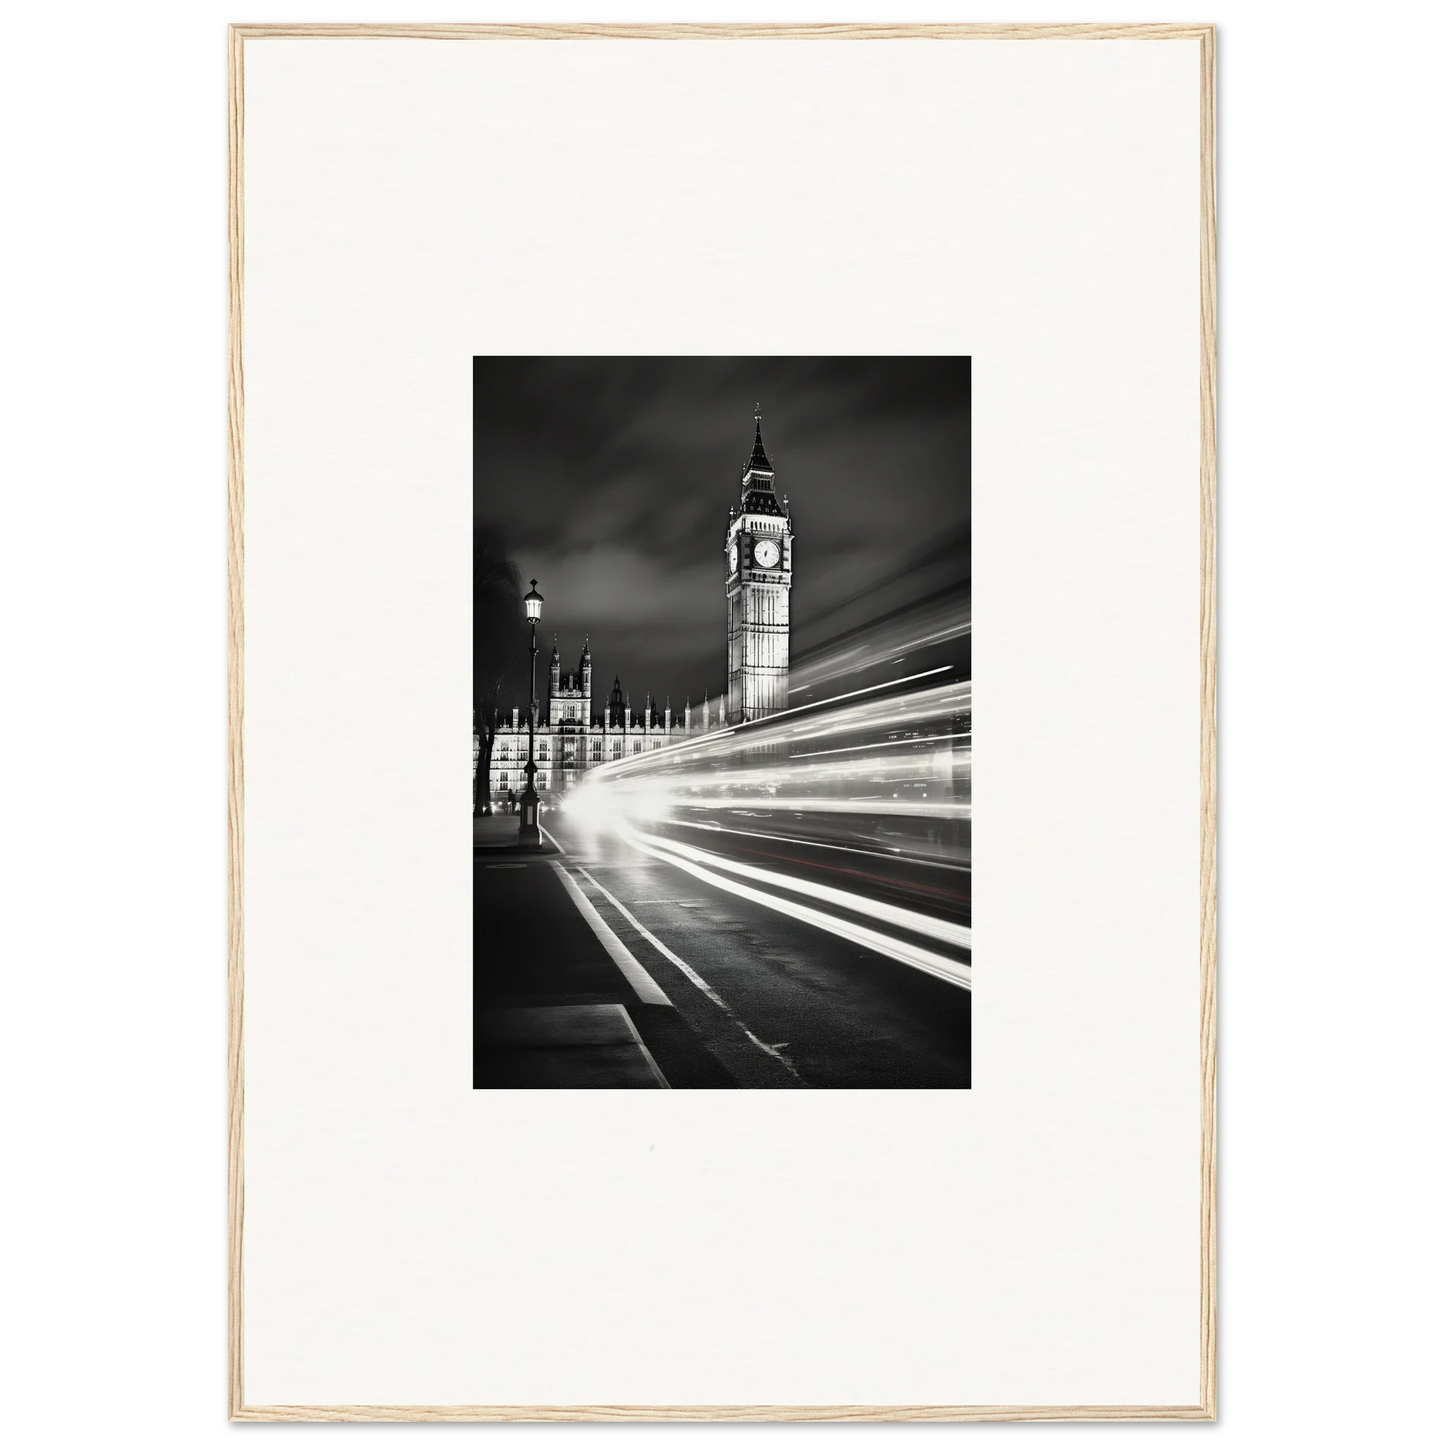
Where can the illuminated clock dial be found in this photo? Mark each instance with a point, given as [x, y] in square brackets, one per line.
[765, 553]
[733, 557]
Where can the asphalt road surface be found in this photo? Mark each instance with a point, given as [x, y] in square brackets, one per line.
[724, 979]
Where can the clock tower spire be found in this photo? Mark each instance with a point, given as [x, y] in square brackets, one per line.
[759, 551]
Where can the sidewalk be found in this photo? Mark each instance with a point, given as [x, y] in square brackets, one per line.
[498, 834]
[559, 1002]
[563, 1046]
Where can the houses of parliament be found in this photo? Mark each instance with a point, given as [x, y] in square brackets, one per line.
[570, 738]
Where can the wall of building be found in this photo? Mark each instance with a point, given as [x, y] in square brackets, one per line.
[564, 754]
[566, 746]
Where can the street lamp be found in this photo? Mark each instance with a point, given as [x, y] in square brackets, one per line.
[529, 835]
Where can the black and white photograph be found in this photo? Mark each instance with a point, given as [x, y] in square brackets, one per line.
[666, 341]
[722, 723]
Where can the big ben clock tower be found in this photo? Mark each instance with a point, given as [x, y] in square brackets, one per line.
[759, 552]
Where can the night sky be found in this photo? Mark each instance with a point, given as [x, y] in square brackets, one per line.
[611, 480]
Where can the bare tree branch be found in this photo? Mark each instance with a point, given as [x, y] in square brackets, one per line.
[498, 641]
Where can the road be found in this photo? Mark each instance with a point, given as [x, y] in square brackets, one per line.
[739, 958]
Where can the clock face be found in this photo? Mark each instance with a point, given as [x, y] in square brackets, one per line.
[765, 553]
[733, 557]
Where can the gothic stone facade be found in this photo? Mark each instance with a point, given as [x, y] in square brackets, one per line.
[570, 739]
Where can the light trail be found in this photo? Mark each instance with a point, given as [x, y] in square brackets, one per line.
[880, 756]
[857, 692]
[927, 623]
[899, 743]
[859, 856]
[882, 770]
[891, 854]
[777, 727]
[913, 712]
[889, 913]
[926, 961]
[881, 807]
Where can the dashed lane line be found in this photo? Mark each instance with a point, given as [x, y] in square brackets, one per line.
[949, 970]
[690, 973]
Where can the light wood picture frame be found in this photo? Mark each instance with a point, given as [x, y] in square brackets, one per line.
[243, 1406]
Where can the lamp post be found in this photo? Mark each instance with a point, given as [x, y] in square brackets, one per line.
[529, 835]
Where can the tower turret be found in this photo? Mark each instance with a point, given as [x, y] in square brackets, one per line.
[759, 552]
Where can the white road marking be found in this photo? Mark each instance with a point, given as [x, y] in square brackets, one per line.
[690, 973]
[551, 839]
[643, 984]
[958, 974]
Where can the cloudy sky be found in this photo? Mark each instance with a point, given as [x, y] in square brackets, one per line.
[612, 477]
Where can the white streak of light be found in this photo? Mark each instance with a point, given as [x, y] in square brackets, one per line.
[877, 807]
[897, 743]
[857, 692]
[958, 974]
[814, 843]
[939, 928]
[671, 750]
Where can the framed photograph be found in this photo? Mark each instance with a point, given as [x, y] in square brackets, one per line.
[812, 774]
[614, 412]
